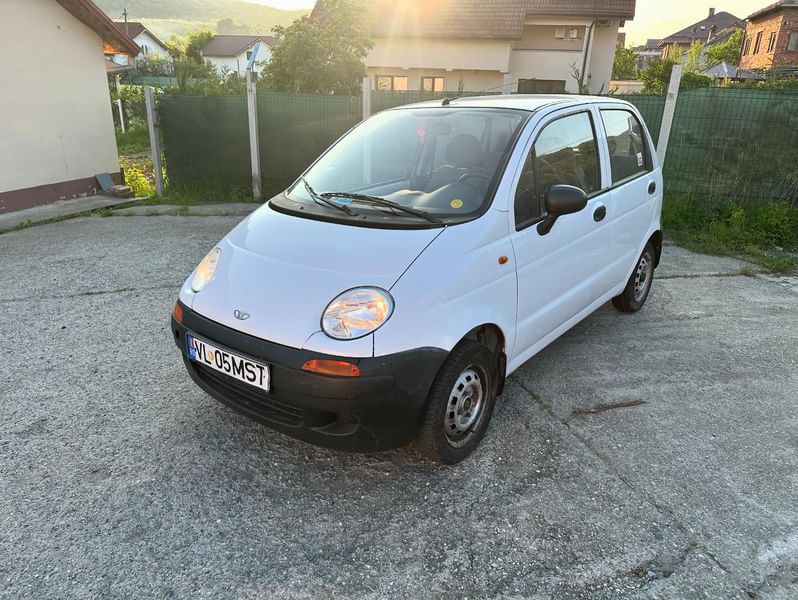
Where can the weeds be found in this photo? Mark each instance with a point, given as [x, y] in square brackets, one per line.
[136, 140]
[766, 232]
[138, 175]
[202, 193]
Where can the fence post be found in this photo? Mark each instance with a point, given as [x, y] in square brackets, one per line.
[366, 97]
[507, 83]
[254, 144]
[155, 146]
[119, 104]
[668, 112]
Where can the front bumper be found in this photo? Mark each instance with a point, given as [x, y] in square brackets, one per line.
[379, 410]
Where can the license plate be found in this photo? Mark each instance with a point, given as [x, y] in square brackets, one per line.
[230, 364]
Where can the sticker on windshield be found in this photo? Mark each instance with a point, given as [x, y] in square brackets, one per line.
[456, 203]
[639, 159]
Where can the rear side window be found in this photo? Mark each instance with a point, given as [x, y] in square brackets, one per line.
[629, 153]
[565, 153]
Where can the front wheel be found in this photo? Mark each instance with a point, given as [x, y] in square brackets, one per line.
[637, 288]
[460, 404]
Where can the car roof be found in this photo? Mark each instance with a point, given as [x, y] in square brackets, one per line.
[530, 102]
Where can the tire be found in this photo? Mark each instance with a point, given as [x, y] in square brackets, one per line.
[638, 287]
[454, 419]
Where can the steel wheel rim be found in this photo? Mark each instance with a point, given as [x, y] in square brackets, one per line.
[643, 275]
[465, 406]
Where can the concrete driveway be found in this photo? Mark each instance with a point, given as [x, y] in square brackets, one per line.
[120, 478]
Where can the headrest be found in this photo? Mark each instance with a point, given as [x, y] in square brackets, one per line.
[464, 151]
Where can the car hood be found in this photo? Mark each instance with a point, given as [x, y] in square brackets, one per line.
[284, 270]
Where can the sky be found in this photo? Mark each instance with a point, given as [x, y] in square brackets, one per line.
[655, 18]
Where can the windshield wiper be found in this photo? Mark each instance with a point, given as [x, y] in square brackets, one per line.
[377, 201]
[325, 201]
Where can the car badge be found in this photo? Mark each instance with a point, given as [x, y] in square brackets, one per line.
[241, 315]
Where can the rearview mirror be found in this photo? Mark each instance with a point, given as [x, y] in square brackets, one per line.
[561, 200]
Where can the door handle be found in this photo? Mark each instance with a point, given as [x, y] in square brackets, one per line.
[599, 213]
[652, 187]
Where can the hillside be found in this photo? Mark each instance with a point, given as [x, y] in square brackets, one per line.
[167, 17]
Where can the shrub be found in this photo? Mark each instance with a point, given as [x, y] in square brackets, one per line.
[760, 231]
[138, 175]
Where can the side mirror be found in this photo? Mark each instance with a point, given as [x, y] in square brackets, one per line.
[561, 200]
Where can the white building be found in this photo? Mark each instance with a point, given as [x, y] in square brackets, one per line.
[492, 45]
[56, 128]
[230, 53]
[145, 39]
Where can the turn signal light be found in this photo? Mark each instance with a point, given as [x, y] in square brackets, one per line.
[177, 312]
[338, 368]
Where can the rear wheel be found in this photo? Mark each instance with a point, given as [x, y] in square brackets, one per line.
[460, 404]
[638, 287]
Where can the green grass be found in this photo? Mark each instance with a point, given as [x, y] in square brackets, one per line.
[765, 233]
[135, 140]
[202, 193]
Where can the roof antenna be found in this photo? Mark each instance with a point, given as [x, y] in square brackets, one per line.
[448, 101]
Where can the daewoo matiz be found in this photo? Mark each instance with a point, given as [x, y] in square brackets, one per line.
[386, 295]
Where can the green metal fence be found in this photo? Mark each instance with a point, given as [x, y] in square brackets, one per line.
[651, 108]
[205, 140]
[726, 143]
[294, 129]
[734, 144]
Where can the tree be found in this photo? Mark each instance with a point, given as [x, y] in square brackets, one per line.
[692, 60]
[189, 46]
[625, 64]
[728, 51]
[657, 75]
[228, 26]
[673, 53]
[322, 55]
[154, 64]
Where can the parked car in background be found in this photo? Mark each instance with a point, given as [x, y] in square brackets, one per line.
[388, 293]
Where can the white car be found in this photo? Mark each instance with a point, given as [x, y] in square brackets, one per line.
[386, 295]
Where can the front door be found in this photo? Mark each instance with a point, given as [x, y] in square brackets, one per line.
[564, 272]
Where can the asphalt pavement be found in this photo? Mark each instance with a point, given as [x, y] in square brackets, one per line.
[119, 478]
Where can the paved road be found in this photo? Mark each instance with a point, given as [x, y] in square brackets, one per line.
[119, 478]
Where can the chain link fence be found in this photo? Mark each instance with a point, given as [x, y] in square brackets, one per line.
[726, 144]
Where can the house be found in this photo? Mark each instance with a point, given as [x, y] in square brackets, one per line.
[489, 45]
[230, 53]
[145, 39]
[62, 133]
[771, 37]
[647, 52]
[703, 31]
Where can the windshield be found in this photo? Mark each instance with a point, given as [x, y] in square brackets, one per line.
[424, 166]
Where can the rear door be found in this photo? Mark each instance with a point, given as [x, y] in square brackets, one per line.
[561, 273]
[636, 182]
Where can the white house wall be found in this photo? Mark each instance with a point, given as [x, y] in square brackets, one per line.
[605, 39]
[484, 64]
[446, 54]
[55, 114]
[238, 64]
[546, 64]
[153, 48]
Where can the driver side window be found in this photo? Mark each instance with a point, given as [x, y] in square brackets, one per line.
[564, 153]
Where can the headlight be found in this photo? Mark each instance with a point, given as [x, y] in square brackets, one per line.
[205, 270]
[357, 312]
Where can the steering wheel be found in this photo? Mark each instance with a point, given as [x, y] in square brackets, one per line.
[465, 176]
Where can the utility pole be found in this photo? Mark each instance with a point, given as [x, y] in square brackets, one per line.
[127, 29]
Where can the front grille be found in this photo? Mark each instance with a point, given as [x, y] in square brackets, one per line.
[251, 399]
